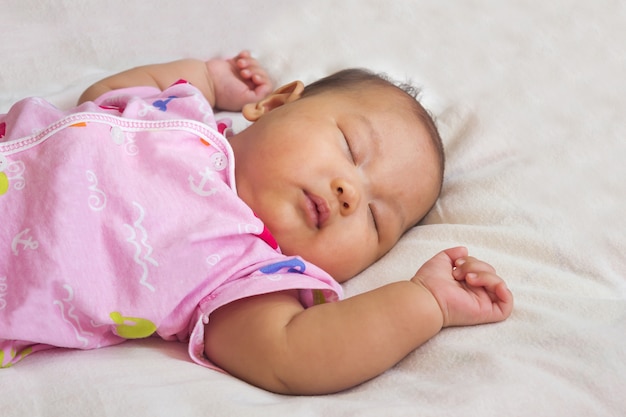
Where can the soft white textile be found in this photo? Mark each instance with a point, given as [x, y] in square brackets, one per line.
[531, 99]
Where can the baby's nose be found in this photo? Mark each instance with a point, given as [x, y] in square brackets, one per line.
[347, 195]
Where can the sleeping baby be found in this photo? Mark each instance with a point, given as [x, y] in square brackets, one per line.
[138, 214]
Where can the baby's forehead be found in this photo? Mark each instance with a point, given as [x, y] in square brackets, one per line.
[383, 100]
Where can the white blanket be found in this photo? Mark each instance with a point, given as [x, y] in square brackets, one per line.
[530, 98]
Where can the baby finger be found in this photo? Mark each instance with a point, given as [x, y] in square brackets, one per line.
[469, 264]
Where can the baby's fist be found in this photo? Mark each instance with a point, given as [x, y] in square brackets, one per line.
[468, 290]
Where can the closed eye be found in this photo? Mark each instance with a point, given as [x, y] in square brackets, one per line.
[373, 217]
[350, 151]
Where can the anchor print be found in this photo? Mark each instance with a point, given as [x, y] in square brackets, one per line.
[25, 242]
[145, 110]
[199, 188]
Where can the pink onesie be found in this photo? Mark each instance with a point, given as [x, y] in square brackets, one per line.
[120, 219]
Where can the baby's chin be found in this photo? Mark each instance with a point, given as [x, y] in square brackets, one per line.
[341, 267]
[340, 272]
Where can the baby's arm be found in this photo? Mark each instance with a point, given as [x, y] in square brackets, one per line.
[227, 84]
[273, 342]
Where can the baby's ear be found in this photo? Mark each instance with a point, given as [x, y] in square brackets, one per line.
[285, 94]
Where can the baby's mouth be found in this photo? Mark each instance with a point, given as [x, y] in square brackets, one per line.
[318, 209]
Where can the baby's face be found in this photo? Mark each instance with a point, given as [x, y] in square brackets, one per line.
[337, 178]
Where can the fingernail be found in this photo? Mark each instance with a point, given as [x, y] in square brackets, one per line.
[459, 262]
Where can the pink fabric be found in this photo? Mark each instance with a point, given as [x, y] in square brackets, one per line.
[119, 219]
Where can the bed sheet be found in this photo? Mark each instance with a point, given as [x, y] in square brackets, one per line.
[530, 99]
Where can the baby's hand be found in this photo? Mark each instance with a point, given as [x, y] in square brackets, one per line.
[238, 81]
[468, 290]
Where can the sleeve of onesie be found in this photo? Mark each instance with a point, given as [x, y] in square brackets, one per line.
[315, 287]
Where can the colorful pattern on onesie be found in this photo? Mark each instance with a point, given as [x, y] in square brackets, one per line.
[119, 219]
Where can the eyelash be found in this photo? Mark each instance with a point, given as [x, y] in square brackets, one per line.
[373, 218]
[352, 156]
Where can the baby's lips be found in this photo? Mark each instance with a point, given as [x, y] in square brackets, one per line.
[322, 208]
